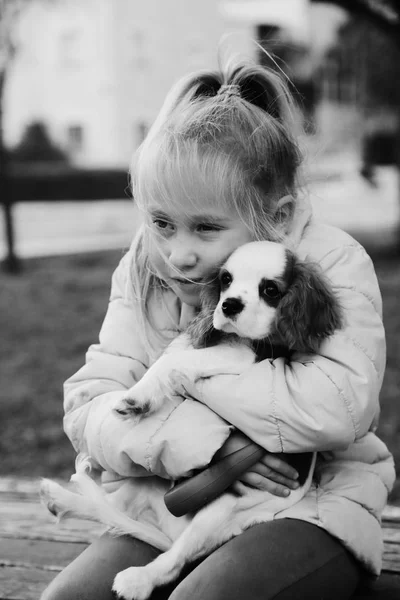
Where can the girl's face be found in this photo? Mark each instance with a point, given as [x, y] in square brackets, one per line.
[191, 243]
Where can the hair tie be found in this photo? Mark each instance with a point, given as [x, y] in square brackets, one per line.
[229, 89]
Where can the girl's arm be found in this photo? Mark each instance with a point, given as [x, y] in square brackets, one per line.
[171, 443]
[315, 402]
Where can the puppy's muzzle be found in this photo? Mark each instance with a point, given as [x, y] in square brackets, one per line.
[231, 307]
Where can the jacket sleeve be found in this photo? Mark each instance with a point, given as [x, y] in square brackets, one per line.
[112, 366]
[315, 402]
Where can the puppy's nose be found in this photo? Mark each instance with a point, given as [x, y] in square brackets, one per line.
[232, 306]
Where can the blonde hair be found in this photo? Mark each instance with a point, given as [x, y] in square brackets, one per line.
[230, 133]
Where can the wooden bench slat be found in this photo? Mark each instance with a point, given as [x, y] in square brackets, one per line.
[33, 547]
[31, 520]
[391, 535]
[391, 513]
[38, 553]
[391, 558]
[387, 587]
[23, 584]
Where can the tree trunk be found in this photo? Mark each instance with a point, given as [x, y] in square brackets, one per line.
[11, 262]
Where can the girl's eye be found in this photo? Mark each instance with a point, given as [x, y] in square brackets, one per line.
[225, 278]
[205, 227]
[271, 290]
[161, 224]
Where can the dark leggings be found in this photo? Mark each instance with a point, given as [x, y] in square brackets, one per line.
[283, 559]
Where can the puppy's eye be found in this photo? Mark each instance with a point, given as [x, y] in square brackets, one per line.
[225, 278]
[270, 290]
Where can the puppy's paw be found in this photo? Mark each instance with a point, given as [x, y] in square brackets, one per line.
[54, 497]
[46, 496]
[132, 406]
[133, 584]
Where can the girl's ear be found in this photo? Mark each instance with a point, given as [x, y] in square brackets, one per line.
[283, 210]
[201, 329]
[309, 312]
[284, 203]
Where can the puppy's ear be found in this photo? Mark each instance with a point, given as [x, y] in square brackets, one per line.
[201, 329]
[309, 311]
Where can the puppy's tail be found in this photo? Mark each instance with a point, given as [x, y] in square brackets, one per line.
[91, 504]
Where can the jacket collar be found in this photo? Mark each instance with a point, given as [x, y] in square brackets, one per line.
[301, 219]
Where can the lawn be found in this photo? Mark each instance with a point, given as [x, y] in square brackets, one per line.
[52, 311]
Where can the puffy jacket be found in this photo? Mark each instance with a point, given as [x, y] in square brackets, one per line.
[327, 402]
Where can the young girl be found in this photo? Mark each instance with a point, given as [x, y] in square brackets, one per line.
[219, 169]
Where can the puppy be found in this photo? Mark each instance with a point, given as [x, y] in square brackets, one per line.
[263, 303]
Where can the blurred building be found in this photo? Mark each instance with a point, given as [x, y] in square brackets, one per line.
[95, 72]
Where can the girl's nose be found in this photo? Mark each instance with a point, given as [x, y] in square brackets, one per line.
[182, 254]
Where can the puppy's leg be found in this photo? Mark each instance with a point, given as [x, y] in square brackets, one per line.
[167, 377]
[147, 395]
[210, 528]
[93, 506]
[64, 503]
[154, 389]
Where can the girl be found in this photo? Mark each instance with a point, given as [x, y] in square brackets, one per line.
[219, 169]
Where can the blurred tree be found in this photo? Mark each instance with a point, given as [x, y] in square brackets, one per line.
[376, 73]
[10, 14]
[384, 14]
[10, 11]
[384, 17]
[36, 146]
[380, 57]
[279, 53]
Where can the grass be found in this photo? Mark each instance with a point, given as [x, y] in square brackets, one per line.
[49, 315]
[52, 312]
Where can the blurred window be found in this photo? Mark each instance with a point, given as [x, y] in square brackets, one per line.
[75, 138]
[137, 49]
[338, 78]
[70, 51]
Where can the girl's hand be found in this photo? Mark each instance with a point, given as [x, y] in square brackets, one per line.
[271, 474]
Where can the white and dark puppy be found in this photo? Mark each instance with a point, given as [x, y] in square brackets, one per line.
[263, 303]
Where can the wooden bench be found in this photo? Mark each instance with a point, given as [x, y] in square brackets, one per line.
[33, 548]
